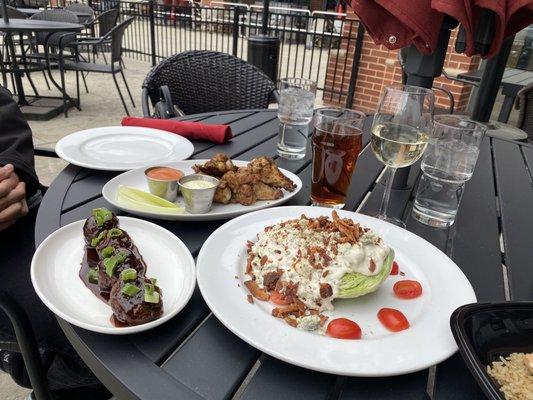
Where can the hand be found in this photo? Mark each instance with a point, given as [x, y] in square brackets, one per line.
[12, 197]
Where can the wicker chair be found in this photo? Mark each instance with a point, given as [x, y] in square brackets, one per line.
[203, 81]
[82, 8]
[524, 102]
[59, 15]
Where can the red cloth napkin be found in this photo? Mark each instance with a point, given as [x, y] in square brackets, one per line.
[187, 129]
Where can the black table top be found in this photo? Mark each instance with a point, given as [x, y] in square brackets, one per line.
[30, 25]
[33, 11]
[194, 356]
[513, 78]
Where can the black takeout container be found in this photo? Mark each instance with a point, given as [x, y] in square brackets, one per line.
[486, 331]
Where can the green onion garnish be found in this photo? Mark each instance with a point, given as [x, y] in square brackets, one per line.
[98, 239]
[102, 215]
[154, 281]
[92, 275]
[111, 263]
[129, 274]
[151, 297]
[130, 290]
[108, 252]
[114, 232]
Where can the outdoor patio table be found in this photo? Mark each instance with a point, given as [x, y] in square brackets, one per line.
[513, 80]
[25, 26]
[32, 11]
[194, 356]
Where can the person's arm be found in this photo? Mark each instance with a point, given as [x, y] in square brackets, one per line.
[16, 144]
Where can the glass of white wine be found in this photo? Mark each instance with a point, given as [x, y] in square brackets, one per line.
[400, 132]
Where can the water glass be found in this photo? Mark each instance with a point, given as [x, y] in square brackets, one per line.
[295, 112]
[336, 143]
[448, 163]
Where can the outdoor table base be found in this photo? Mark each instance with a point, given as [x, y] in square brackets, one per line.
[193, 356]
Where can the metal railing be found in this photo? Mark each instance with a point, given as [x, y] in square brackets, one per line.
[313, 45]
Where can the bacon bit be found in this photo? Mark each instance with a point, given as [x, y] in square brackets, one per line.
[334, 249]
[372, 267]
[325, 290]
[347, 227]
[264, 260]
[256, 291]
[250, 299]
[325, 273]
[323, 320]
[277, 251]
[282, 312]
[249, 268]
[291, 321]
[270, 279]
[236, 277]
[402, 273]
[249, 245]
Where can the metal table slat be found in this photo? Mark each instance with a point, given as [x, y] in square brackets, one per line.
[86, 189]
[411, 386]
[453, 381]
[213, 362]
[516, 197]
[276, 379]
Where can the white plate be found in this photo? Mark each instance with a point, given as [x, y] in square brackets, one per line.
[379, 353]
[121, 148]
[137, 179]
[56, 264]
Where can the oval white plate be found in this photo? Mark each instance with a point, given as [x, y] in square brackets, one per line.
[56, 264]
[137, 179]
[380, 353]
[121, 148]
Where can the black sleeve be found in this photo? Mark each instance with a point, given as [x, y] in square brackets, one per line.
[16, 144]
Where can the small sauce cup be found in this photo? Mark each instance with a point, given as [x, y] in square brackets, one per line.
[198, 192]
[163, 182]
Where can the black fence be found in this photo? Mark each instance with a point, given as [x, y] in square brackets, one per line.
[313, 45]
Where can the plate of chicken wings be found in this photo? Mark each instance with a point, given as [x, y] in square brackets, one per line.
[245, 186]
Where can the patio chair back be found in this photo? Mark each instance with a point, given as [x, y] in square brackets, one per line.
[82, 8]
[117, 34]
[203, 81]
[525, 105]
[58, 15]
[13, 13]
[107, 21]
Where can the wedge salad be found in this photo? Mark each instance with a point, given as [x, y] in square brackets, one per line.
[302, 265]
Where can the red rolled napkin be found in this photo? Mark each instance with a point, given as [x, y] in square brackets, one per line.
[187, 129]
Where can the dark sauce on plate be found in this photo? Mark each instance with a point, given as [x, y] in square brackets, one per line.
[90, 260]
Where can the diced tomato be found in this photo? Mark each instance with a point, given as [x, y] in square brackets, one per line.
[278, 298]
[395, 269]
[344, 328]
[393, 320]
[407, 289]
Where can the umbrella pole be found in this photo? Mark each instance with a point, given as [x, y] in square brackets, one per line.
[4, 11]
[490, 83]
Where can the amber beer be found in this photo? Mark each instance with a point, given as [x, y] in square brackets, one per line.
[337, 142]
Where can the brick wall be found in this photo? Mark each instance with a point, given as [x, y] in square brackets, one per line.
[379, 67]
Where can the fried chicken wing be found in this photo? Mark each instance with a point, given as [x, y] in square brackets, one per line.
[270, 174]
[265, 192]
[223, 193]
[217, 166]
[242, 184]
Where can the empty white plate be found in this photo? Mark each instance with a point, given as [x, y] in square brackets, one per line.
[121, 148]
[220, 269]
[56, 264]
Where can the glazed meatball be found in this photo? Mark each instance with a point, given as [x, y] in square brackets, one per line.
[118, 260]
[101, 219]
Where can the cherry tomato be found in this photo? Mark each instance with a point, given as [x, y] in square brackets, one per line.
[393, 319]
[394, 270]
[343, 328]
[278, 298]
[407, 289]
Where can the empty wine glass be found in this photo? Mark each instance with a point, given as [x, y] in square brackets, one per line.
[400, 132]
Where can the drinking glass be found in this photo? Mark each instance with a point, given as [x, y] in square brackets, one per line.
[400, 132]
[336, 145]
[295, 112]
[448, 164]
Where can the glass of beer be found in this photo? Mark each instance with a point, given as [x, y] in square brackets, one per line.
[337, 142]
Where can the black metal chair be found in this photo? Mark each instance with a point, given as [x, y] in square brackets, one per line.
[114, 38]
[82, 8]
[202, 81]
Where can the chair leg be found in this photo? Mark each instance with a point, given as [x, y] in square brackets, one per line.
[78, 89]
[105, 59]
[46, 79]
[28, 346]
[63, 88]
[120, 94]
[127, 88]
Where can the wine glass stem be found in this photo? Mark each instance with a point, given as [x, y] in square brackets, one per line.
[386, 195]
